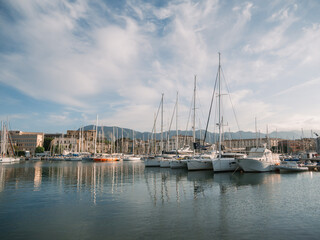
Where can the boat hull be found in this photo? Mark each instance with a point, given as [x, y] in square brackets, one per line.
[254, 165]
[194, 164]
[165, 163]
[131, 159]
[178, 164]
[225, 165]
[105, 159]
[152, 162]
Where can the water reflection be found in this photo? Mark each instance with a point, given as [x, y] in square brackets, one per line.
[37, 175]
[232, 181]
[163, 185]
[79, 200]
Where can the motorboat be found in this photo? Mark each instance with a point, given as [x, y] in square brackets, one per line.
[289, 166]
[131, 158]
[259, 160]
[105, 158]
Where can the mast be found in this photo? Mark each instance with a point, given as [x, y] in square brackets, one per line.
[95, 141]
[112, 146]
[219, 108]
[102, 140]
[122, 140]
[117, 140]
[161, 147]
[255, 124]
[267, 138]
[177, 131]
[155, 135]
[194, 111]
[132, 142]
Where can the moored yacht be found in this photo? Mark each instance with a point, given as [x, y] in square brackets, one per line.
[227, 162]
[106, 158]
[180, 162]
[201, 162]
[259, 160]
[166, 161]
[152, 161]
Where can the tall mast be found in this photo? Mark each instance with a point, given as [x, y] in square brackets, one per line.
[194, 110]
[102, 140]
[95, 141]
[133, 142]
[255, 124]
[177, 133]
[267, 138]
[161, 147]
[122, 140]
[155, 136]
[219, 109]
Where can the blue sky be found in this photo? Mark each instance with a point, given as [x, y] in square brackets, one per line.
[63, 62]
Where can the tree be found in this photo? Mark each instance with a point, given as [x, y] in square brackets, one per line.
[39, 149]
[46, 143]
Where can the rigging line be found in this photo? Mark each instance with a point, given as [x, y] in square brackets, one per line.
[212, 99]
[235, 116]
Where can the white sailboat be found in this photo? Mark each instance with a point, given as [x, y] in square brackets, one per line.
[4, 158]
[225, 162]
[132, 157]
[154, 160]
[203, 161]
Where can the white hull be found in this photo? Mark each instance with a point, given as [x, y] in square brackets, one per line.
[196, 164]
[9, 160]
[253, 165]
[165, 163]
[150, 162]
[224, 165]
[291, 169]
[178, 164]
[131, 159]
[75, 159]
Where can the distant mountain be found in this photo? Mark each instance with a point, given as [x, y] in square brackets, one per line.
[211, 137]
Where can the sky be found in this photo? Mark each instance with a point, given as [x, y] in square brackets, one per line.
[62, 63]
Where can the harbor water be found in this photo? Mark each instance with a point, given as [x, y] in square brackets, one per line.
[125, 200]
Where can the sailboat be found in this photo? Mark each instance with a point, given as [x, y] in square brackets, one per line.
[4, 158]
[224, 162]
[132, 157]
[202, 161]
[155, 160]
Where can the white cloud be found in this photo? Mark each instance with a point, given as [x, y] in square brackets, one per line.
[117, 63]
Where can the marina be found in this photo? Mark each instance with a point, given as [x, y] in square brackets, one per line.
[81, 200]
[159, 120]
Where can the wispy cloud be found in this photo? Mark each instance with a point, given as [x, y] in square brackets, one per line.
[116, 58]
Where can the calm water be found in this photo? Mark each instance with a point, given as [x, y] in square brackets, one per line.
[123, 200]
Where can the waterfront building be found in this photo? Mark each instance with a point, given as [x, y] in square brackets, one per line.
[318, 145]
[26, 141]
[298, 145]
[75, 141]
[247, 144]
